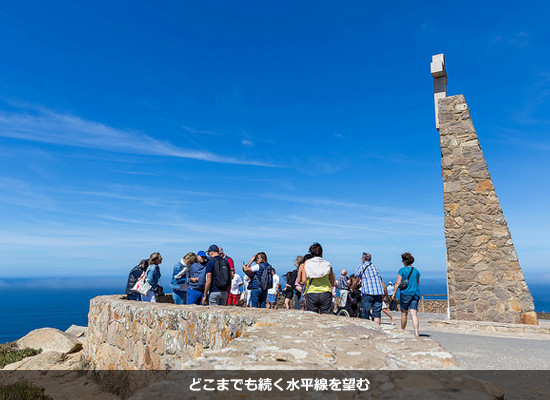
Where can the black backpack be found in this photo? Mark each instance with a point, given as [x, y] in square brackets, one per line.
[266, 280]
[222, 274]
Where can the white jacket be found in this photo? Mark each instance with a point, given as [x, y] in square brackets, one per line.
[316, 267]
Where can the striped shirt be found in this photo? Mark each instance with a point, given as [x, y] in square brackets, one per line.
[343, 283]
[370, 279]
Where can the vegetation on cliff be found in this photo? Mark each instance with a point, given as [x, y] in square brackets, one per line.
[9, 353]
[22, 390]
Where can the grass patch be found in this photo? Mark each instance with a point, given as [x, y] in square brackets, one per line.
[543, 315]
[22, 390]
[9, 353]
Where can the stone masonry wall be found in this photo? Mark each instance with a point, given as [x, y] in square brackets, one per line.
[127, 335]
[484, 278]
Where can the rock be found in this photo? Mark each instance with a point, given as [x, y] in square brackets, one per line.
[493, 389]
[42, 361]
[50, 339]
[78, 331]
[529, 318]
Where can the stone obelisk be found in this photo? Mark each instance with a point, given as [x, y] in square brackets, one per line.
[484, 279]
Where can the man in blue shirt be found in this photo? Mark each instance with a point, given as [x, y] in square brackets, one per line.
[371, 288]
[343, 287]
[218, 295]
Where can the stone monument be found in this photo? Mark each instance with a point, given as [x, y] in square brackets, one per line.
[484, 279]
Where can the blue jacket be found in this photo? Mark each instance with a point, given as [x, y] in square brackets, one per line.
[153, 276]
[176, 283]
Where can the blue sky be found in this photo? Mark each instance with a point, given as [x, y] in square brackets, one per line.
[131, 127]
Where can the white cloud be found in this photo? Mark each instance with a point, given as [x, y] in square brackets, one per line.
[50, 127]
[521, 40]
[247, 143]
[192, 130]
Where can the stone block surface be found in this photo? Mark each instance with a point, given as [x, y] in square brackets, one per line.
[484, 277]
[129, 335]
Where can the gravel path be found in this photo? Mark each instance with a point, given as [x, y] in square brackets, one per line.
[518, 363]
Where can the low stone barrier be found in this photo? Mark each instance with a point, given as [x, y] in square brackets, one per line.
[433, 306]
[129, 335]
[492, 326]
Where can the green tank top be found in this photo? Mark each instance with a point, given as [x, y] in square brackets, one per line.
[319, 285]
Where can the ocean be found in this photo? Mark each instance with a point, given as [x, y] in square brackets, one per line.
[29, 304]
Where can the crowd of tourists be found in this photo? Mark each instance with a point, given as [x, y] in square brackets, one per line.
[209, 278]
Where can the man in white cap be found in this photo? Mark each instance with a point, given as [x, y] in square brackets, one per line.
[391, 291]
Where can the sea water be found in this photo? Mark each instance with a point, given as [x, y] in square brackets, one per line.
[29, 304]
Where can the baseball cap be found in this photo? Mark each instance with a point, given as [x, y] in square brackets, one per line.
[214, 248]
[201, 253]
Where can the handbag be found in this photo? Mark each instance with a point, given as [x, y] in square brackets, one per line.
[403, 285]
[142, 286]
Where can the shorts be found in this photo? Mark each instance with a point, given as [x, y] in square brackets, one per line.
[408, 301]
[271, 298]
[289, 294]
[374, 301]
[233, 299]
[320, 303]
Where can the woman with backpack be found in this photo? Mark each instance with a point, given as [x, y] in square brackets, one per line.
[408, 281]
[259, 283]
[153, 276]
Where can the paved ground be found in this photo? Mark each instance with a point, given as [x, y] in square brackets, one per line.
[494, 353]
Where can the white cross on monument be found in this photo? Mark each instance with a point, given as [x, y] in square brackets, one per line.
[439, 74]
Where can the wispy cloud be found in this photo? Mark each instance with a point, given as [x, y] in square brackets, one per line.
[376, 212]
[247, 143]
[135, 173]
[22, 194]
[520, 40]
[50, 127]
[309, 222]
[195, 131]
[515, 137]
